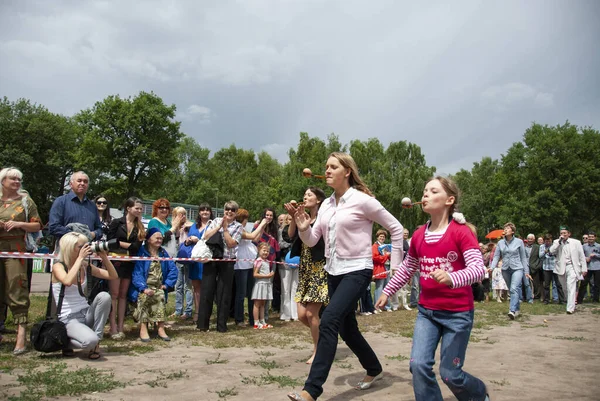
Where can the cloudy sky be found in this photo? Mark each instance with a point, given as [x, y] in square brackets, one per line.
[462, 79]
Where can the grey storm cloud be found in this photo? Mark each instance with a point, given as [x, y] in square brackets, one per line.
[462, 80]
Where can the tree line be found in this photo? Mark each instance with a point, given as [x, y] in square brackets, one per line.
[135, 147]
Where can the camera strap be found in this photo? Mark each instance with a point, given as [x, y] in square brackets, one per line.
[88, 272]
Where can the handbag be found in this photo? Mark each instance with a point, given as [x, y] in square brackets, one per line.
[201, 250]
[292, 261]
[215, 244]
[51, 334]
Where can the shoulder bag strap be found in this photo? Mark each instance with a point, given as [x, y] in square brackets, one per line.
[208, 223]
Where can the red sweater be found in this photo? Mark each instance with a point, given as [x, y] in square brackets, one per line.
[457, 252]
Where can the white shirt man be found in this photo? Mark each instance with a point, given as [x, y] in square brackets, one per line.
[570, 260]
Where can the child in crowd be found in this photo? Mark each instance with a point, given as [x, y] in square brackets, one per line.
[447, 256]
[263, 286]
[499, 287]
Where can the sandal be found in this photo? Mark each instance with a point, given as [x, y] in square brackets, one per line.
[295, 396]
[94, 354]
[19, 351]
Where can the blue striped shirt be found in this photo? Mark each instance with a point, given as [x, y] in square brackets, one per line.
[69, 209]
[594, 263]
[548, 259]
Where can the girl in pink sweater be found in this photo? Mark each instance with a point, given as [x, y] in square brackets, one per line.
[447, 255]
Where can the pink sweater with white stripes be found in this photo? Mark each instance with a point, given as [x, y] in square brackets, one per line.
[456, 251]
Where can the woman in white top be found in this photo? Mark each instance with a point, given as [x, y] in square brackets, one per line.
[85, 323]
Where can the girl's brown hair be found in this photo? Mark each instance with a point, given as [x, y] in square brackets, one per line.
[450, 188]
[348, 162]
[129, 203]
[263, 245]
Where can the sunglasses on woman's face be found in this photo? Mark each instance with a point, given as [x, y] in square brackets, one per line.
[101, 202]
[230, 209]
[164, 207]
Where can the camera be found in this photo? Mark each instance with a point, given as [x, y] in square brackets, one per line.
[102, 246]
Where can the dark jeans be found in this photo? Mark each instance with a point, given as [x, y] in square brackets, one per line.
[548, 277]
[537, 284]
[216, 276]
[339, 318]
[244, 281]
[584, 284]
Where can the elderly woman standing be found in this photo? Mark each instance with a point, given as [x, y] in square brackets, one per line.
[218, 276]
[18, 216]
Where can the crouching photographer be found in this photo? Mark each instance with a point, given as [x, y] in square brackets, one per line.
[84, 323]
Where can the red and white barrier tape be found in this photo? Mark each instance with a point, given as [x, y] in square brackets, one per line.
[30, 255]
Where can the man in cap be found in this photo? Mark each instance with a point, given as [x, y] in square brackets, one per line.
[570, 260]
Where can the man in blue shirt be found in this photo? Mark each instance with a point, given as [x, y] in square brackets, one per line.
[548, 266]
[75, 207]
[591, 251]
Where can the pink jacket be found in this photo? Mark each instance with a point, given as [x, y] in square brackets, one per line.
[356, 213]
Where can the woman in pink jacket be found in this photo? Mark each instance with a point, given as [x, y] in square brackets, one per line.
[345, 221]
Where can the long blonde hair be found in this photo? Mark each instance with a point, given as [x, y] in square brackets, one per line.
[354, 179]
[66, 245]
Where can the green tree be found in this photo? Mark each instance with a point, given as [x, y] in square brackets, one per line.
[310, 153]
[189, 182]
[40, 144]
[128, 144]
[480, 196]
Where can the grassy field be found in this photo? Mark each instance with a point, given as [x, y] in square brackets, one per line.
[46, 375]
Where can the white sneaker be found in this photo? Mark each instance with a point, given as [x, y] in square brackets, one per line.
[407, 307]
[394, 309]
[511, 315]
[389, 310]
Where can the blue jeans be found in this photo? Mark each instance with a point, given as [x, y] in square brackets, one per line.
[379, 284]
[339, 318]
[453, 329]
[414, 289]
[183, 286]
[244, 281]
[514, 280]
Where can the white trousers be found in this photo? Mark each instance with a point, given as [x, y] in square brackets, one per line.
[571, 288]
[289, 286]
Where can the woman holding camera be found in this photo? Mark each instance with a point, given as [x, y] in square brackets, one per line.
[18, 216]
[130, 233]
[84, 322]
[150, 281]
